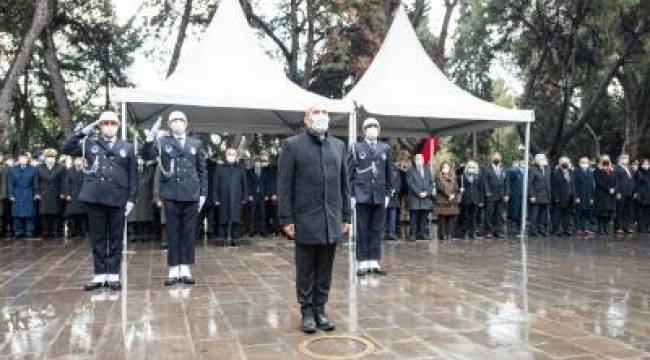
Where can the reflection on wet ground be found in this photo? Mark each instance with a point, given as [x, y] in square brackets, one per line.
[487, 299]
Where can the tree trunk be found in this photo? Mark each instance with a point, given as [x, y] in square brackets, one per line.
[311, 42]
[180, 39]
[439, 51]
[295, 40]
[42, 16]
[57, 82]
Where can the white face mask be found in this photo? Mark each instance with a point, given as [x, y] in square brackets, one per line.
[372, 133]
[584, 166]
[231, 158]
[78, 164]
[109, 131]
[258, 165]
[320, 123]
[419, 162]
[49, 161]
[178, 127]
[22, 161]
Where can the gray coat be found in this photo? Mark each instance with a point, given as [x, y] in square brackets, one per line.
[539, 185]
[418, 184]
[313, 188]
[50, 188]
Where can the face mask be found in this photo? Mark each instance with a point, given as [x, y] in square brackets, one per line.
[320, 123]
[10, 163]
[372, 133]
[140, 162]
[419, 162]
[49, 161]
[565, 166]
[22, 161]
[265, 164]
[605, 163]
[231, 158]
[584, 166]
[258, 165]
[624, 161]
[496, 162]
[178, 127]
[109, 131]
[445, 171]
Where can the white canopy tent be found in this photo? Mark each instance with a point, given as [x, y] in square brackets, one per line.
[228, 83]
[411, 97]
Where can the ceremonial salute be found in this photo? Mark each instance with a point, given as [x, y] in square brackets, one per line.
[314, 208]
[371, 190]
[183, 188]
[109, 190]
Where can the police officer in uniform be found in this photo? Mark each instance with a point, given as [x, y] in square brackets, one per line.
[109, 190]
[183, 188]
[371, 191]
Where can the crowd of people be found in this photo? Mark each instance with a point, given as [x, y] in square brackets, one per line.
[39, 196]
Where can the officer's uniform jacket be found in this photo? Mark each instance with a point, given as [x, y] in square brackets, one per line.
[371, 178]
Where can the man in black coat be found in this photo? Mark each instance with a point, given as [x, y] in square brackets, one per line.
[563, 190]
[230, 188]
[272, 203]
[315, 210]
[50, 195]
[584, 196]
[392, 211]
[109, 191]
[539, 195]
[75, 212]
[183, 188]
[494, 190]
[624, 195]
[258, 187]
[515, 193]
[371, 188]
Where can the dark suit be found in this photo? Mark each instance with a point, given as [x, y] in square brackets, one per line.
[642, 189]
[258, 187]
[419, 182]
[75, 211]
[371, 183]
[563, 191]
[49, 187]
[514, 190]
[624, 204]
[230, 190]
[314, 195]
[470, 199]
[539, 189]
[111, 180]
[606, 185]
[393, 204]
[494, 190]
[584, 192]
[184, 180]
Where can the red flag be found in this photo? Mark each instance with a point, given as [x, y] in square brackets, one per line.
[432, 143]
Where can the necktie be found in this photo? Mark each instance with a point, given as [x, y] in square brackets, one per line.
[181, 141]
[421, 170]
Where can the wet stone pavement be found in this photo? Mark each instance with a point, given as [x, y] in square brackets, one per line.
[487, 299]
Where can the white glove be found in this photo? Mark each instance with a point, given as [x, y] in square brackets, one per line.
[353, 201]
[386, 201]
[89, 128]
[128, 208]
[201, 202]
[153, 133]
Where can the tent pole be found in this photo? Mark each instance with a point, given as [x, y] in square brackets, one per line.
[352, 136]
[125, 232]
[524, 198]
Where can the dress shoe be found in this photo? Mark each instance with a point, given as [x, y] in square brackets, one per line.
[498, 236]
[308, 323]
[422, 237]
[114, 285]
[323, 322]
[188, 280]
[90, 286]
[392, 237]
[171, 281]
[379, 271]
[363, 272]
[163, 245]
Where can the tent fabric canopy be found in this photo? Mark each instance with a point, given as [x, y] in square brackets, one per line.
[230, 84]
[410, 96]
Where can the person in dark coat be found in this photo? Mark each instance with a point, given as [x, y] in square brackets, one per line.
[3, 194]
[272, 203]
[230, 192]
[624, 195]
[470, 189]
[371, 187]
[606, 185]
[584, 196]
[258, 188]
[446, 201]
[20, 190]
[109, 192]
[160, 208]
[183, 188]
[642, 190]
[392, 220]
[421, 191]
[494, 190]
[141, 218]
[49, 192]
[539, 195]
[515, 193]
[209, 211]
[75, 212]
[315, 210]
[563, 191]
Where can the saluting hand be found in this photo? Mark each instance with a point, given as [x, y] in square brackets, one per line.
[90, 127]
[153, 133]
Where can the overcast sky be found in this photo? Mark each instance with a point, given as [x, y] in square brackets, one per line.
[146, 69]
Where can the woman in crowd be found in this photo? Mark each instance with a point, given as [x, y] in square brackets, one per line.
[447, 198]
[643, 196]
[470, 192]
[605, 194]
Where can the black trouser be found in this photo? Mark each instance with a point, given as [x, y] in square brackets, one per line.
[493, 213]
[50, 225]
[370, 221]
[77, 225]
[106, 224]
[604, 219]
[539, 218]
[446, 224]
[564, 214]
[468, 220]
[258, 216]
[314, 265]
[180, 230]
[229, 231]
[273, 221]
[644, 218]
[418, 226]
[624, 213]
